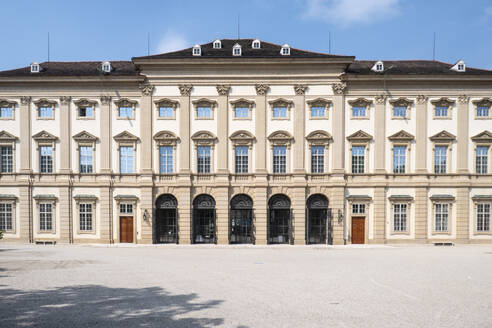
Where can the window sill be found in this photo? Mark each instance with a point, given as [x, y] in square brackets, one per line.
[434, 232]
[241, 118]
[204, 118]
[280, 119]
[359, 118]
[44, 118]
[400, 118]
[85, 118]
[7, 118]
[125, 118]
[166, 118]
[400, 233]
[483, 117]
[318, 118]
[442, 118]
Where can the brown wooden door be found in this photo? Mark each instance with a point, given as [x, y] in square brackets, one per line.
[126, 229]
[358, 230]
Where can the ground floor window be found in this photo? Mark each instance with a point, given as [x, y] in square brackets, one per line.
[45, 216]
[441, 217]
[483, 217]
[85, 217]
[5, 216]
[400, 216]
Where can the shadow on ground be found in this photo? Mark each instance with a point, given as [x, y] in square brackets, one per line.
[99, 306]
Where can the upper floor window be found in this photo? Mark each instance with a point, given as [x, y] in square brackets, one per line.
[378, 67]
[46, 159]
[35, 68]
[126, 208]
[106, 67]
[482, 108]
[127, 159]
[242, 109]
[280, 112]
[86, 159]
[204, 112]
[318, 111]
[358, 208]
[318, 108]
[483, 217]
[400, 217]
[6, 112]
[46, 112]
[236, 50]
[125, 112]
[360, 108]
[483, 111]
[399, 159]
[166, 159]
[126, 108]
[166, 112]
[482, 159]
[6, 216]
[241, 112]
[279, 159]
[166, 109]
[317, 159]
[401, 108]
[204, 159]
[241, 159]
[281, 109]
[217, 44]
[86, 112]
[6, 159]
[197, 50]
[441, 217]
[441, 111]
[400, 111]
[358, 159]
[440, 159]
[359, 111]
[285, 50]
[204, 109]
[256, 44]
[442, 108]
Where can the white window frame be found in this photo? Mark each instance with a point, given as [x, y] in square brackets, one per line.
[125, 103]
[45, 103]
[12, 201]
[86, 200]
[443, 102]
[4, 103]
[205, 103]
[359, 103]
[167, 103]
[277, 103]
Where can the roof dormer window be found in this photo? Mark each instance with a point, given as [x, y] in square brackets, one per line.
[285, 51]
[197, 50]
[236, 50]
[378, 67]
[217, 44]
[460, 66]
[256, 44]
[34, 67]
[106, 67]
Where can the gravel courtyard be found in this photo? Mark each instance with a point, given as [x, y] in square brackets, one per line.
[226, 286]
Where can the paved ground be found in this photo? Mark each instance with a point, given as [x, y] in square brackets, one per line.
[206, 286]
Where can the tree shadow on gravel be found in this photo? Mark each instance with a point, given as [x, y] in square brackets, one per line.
[100, 306]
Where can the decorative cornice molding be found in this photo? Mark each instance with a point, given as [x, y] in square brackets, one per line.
[44, 136]
[147, 89]
[404, 102]
[185, 89]
[339, 88]
[401, 136]
[242, 137]
[7, 103]
[242, 101]
[360, 102]
[261, 89]
[223, 89]
[360, 136]
[65, 100]
[45, 102]
[204, 138]
[300, 89]
[319, 137]
[483, 102]
[485, 136]
[443, 102]
[204, 101]
[318, 102]
[84, 136]
[105, 100]
[84, 102]
[463, 99]
[380, 99]
[443, 136]
[25, 100]
[166, 138]
[125, 102]
[166, 102]
[280, 136]
[5, 136]
[125, 136]
[281, 102]
[422, 99]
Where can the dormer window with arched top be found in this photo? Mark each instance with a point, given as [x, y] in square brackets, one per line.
[236, 50]
[106, 67]
[256, 44]
[378, 67]
[217, 44]
[197, 50]
[35, 68]
[285, 51]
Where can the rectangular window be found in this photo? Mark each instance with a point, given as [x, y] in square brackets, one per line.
[400, 111]
[6, 112]
[46, 159]
[86, 162]
[440, 159]
[279, 112]
[359, 111]
[482, 159]
[441, 216]
[400, 217]
[241, 112]
[85, 112]
[45, 216]
[166, 159]
[6, 159]
[85, 217]
[125, 112]
[204, 112]
[279, 159]
[358, 158]
[166, 112]
[483, 217]
[241, 159]
[5, 216]
[358, 208]
[318, 159]
[126, 208]
[203, 159]
[441, 111]
[318, 111]
[46, 112]
[126, 159]
[483, 111]
[399, 159]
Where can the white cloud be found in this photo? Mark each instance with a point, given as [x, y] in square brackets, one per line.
[348, 12]
[172, 41]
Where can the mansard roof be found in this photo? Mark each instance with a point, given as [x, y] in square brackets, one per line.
[88, 68]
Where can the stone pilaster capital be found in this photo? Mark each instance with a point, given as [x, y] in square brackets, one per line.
[463, 99]
[25, 100]
[146, 89]
[105, 100]
[300, 89]
[339, 88]
[261, 89]
[421, 99]
[223, 89]
[65, 100]
[185, 89]
[380, 99]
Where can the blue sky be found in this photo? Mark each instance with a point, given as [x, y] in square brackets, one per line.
[368, 29]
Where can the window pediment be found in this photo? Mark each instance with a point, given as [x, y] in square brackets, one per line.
[281, 102]
[204, 138]
[242, 103]
[125, 136]
[400, 198]
[360, 136]
[83, 102]
[401, 136]
[166, 138]
[85, 136]
[280, 138]
[319, 102]
[7, 103]
[43, 102]
[165, 102]
[403, 102]
[125, 102]
[7, 137]
[487, 102]
[442, 198]
[485, 136]
[319, 137]
[204, 102]
[44, 136]
[444, 102]
[360, 102]
[242, 137]
[443, 136]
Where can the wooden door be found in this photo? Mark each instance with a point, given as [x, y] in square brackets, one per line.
[126, 229]
[358, 230]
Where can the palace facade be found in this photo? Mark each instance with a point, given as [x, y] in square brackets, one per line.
[245, 141]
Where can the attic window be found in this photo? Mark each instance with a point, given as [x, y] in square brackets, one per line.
[460, 66]
[285, 51]
[236, 50]
[378, 67]
[217, 44]
[34, 67]
[197, 50]
[256, 44]
[106, 67]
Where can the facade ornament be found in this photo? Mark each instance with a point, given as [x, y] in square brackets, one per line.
[463, 99]
[261, 89]
[65, 100]
[300, 89]
[25, 100]
[339, 88]
[147, 89]
[105, 100]
[380, 99]
[185, 89]
[421, 99]
[223, 89]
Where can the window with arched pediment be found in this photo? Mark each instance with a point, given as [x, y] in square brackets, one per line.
[204, 150]
[166, 109]
[85, 109]
[166, 144]
[400, 108]
[319, 109]
[242, 109]
[318, 142]
[280, 109]
[125, 109]
[360, 109]
[204, 109]
[45, 109]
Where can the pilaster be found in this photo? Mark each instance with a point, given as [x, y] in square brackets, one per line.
[146, 129]
[421, 213]
[380, 134]
[463, 134]
[105, 135]
[65, 139]
[66, 216]
[260, 127]
[25, 135]
[25, 214]
[184, 130]
[106, 219]
[183, 196]
[379, 219]
[338, 127]
[299, 128]
[299, 209]
[339, 217]
[223, 130]
[462, 215]
[421, 135]
[221, 195]
[260, 214]
[146, 210]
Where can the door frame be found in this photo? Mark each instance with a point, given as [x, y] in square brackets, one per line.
[133, 226]
[363, 218]
[132, 201]
[365, 200]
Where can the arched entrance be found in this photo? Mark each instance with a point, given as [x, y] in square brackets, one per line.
[204, 220]
[166, 207]
[317, 220]
[241, 216]
[279, 220]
